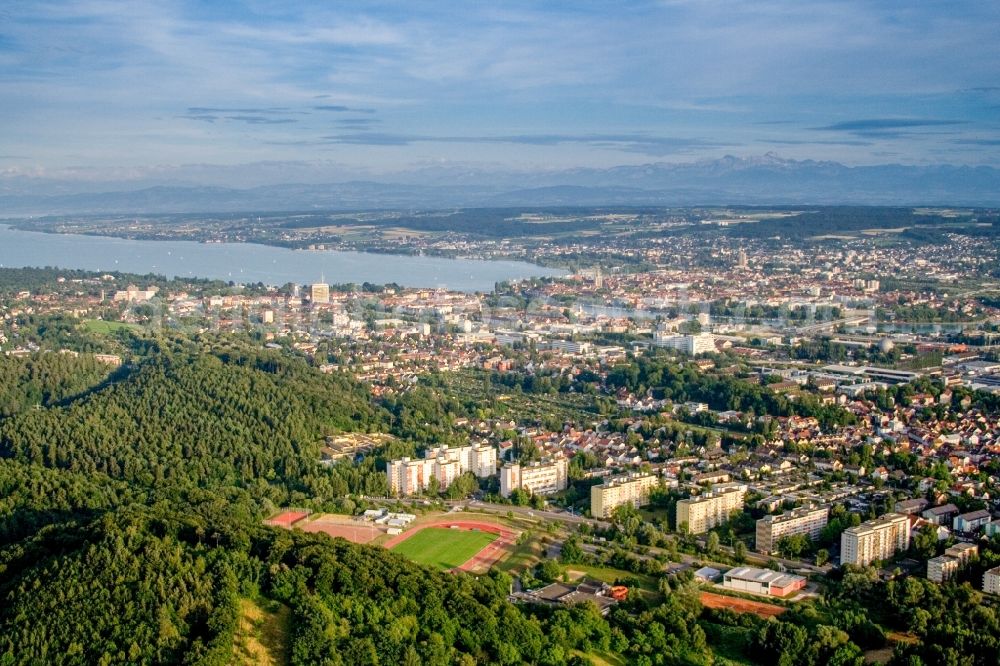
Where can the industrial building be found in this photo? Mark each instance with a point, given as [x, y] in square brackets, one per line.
[762, 581]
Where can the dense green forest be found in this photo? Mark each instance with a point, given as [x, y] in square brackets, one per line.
[73, 281]
[205, 419]
[45, 380]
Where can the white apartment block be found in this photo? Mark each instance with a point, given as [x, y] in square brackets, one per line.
[481, 460]
[803, 520]
[706, 511]
[571, 346]
[537, 478]
[410, 477]
[633, 489]
[991, 581]
[941, 568]
[689, 344]
[875, 540]
[963, 552]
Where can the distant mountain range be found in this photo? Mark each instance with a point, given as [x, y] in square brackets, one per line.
[765, 180]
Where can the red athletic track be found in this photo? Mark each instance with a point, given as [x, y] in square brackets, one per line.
[482, 560]
[286, 518]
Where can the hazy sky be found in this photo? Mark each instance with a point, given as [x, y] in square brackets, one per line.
[135, 87]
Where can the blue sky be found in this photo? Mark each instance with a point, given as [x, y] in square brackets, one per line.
[110, 89]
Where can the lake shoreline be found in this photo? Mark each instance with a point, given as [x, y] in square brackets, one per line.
[251, 262]
[19, 224]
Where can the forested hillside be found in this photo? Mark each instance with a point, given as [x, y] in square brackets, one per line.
[46, 379]
[197, 419]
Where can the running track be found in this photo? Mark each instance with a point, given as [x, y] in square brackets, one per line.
[482, 560]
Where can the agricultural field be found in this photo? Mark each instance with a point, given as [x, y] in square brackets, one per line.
[444, 548]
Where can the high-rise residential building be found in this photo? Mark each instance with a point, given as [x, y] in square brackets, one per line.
[991, 581]
[741, 258]
[875, 540]
[941, 568]
[633, 489]
[480, 459]
[319, 293]
[409, 477]
[704, 512]
[803, 520]
[963, 552]
[538, 478]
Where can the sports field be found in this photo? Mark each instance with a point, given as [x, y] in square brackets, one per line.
[443, 547]
[760, 609]
[107, 327]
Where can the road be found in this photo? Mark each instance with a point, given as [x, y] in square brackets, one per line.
[752, 558]
[559, 516]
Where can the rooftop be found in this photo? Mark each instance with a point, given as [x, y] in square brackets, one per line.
[764, 576]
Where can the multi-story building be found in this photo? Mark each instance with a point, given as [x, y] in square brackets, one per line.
[972, 521]
[911, 505]
[940, 515]
[480, 459]
[570, 346]
[706, 511]
[633, 489]
[319, 293]
[538, 478]
[692, 345]
[875, 540]
[803, 520]
[991, 581]
[941, 568]
[133, 294]
[963, 552]
[409, 477]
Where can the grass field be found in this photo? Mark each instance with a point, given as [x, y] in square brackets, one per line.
[262, 635]
[600, 659]
[442, 547]
[107, 327]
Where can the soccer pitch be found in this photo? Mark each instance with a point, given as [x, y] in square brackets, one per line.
[443, 547]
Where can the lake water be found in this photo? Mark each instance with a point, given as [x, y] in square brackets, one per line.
[247, 262]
